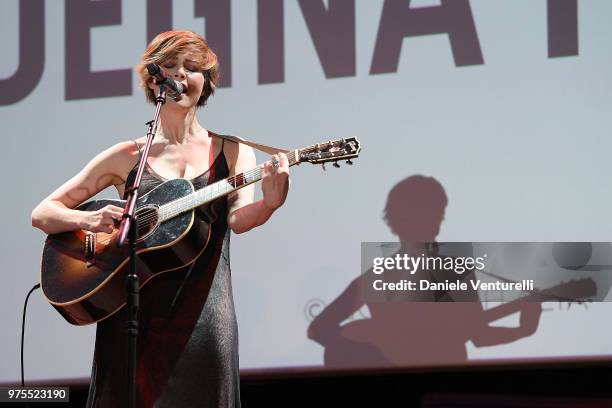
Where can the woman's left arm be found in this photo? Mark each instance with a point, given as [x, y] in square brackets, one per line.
[244, 213]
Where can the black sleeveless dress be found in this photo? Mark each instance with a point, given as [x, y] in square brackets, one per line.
[188, 336]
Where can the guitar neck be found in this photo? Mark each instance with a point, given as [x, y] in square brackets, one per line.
[216, 190]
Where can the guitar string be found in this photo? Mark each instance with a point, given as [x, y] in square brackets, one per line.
[176, 204]
[174, 207]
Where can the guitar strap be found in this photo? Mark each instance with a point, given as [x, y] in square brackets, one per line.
[261, 147]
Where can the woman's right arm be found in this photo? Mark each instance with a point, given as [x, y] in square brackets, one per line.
[55, 213]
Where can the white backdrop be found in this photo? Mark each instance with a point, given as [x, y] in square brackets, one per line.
[520, 143]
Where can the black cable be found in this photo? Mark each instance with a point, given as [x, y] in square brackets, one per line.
[25, 306]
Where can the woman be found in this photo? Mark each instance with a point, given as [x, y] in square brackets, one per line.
[187, 342]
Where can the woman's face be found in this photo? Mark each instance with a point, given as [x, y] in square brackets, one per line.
[184, 69]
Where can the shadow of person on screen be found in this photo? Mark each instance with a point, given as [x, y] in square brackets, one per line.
[405, 333]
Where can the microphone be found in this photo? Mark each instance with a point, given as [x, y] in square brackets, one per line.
[174, 89]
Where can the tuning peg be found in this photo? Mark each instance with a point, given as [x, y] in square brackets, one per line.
[349, 162]
[336, 165]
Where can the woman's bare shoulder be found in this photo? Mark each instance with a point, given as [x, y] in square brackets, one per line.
[120, 150]
[117, 160]
[122, 154]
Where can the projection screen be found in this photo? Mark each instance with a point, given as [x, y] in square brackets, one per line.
[505, 103]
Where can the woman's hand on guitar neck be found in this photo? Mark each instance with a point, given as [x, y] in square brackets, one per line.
[102, 220]
[275, 181]
[246, 214]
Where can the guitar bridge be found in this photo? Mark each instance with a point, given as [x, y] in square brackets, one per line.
[90, 249]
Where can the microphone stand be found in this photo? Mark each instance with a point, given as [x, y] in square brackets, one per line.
[128, 233]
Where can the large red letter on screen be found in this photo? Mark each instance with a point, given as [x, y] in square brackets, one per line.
[31, 53]
[159, 17]
[333, 34]
[218, 28]
[398, 20]
[562, 28]
[81, 82]
[270, 42]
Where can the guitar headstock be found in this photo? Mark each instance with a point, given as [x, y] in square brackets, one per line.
[332, 151]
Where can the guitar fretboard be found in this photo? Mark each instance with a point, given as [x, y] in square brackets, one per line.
[216, 190]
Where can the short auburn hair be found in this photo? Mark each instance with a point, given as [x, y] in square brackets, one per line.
[168, 45]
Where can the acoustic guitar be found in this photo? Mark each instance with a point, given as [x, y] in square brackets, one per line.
[83, 274]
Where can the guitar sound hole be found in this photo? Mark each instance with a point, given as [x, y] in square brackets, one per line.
[147, 221]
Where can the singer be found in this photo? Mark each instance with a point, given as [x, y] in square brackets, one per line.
[188, 337]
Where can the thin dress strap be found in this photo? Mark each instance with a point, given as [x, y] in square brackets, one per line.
[137, 146]
[211, 157]
[139, 151]
[132, 172]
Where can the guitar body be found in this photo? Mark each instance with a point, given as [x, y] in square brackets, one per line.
[83, 275]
